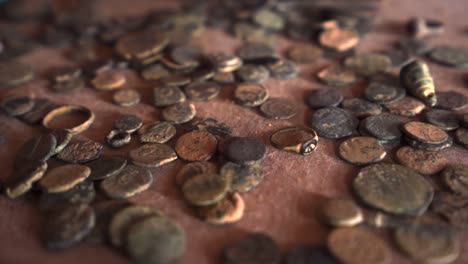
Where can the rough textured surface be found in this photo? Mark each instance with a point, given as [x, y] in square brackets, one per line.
[294, 185]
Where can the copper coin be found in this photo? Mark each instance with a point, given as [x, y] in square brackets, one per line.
[194, 168]
[445, 119]
[141, 45]
[334, 122]
[23, 178]
[299, 140]
[81, 151]
[408, 106]
[253, 73]
[205, 189]
[362, 150]
[337, 76]
[361, 108]
[152, 155]
[323, 98]
[451, 100]
[358, 246]
[368, 64]
[106, 166]
[452, 207]
[229, 210]
[202, 91]
[167, 95]
[339, 39]
[251, 94]
[126, 97]
[245, 150]
[429, 146]
[456, 178]
[279, 108]
[128, 123]
[128, 182]
[64, 178]
[213, 126]
[341, 212]
[424, 132]
[196, 146]
[108, 80]
[159, 132]
[422, 161]
[179, 113]
[242, 177]
[304, 53]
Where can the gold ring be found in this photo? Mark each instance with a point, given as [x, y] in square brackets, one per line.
[67, 109]
[292, 143]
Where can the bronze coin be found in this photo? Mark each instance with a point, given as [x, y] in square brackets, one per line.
[251, 94]
[408, 106]
[196, 146]
[279, 108]
[256, 52]
[456, 178]
[384, 92]
[424, 132]
[176, 79]
[225, 63]
[358, 246]
[229, 210]
[283, 69]
[69, 86]
[128, 182]
[38, 148]
[429, 146]
[167, 95]
[269, 19]
[337, 76]
[205, 189]
[154, 72]
[17, 104]
[106, 166]
[40, 109]
[253, 73]
[224, 77]
[152, 155]
[64, 178]
[422, 161]
[23, 178]
[452, 207]
[128, 123]
[118, 139]
[339, 39]
[194, 168]
[108, 80]
[202, 91]
[82, 193]
[445, 119]
[185, 55]
[242, 177]
[361, 108]
[341, 212]
[141, 45]
[323, 98]
[81, 151]
[450, 56]
[451, 100]
[179, 113]
[245, 150]
[461, 135]
[368, 64]
[362, 150]
[212, 126]
[334, 122]
[62, 137]
[159, 132]
[254, 248]
[299, 140]
[126, 97]
[385, 127]
[15, 73]
[304, 53]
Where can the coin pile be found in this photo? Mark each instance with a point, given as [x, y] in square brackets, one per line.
[67, 170]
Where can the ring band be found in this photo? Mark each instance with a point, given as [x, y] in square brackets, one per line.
[67, 109]
[305, 147]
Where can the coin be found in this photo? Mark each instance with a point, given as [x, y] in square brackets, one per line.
[428, 243]
[63, 74]
[81, 151]
[38, 148]
[450, 56]
[126, 97]
[452, 207]
[393, 189]
[337, 76]
[223, 77]
[456, 178]
[69, 86]
[62, 138]
[424, 132]
[464, 120]
[152, 155]
[213, 126]
[176, 79]
[341, 212]
[242, 177]
[324, 98]
[283, 69]
[106, 166]
[422, 161]
[257, 53]
[185, 55]
[67, 228]
[82, 193]
[245, 150]
[194, 168]
[155, 240]
[339, 39]
[17, 104]
[196, 146]
[254, 248]
[108, 80]
[368, 64]
[23, 178]
[358, 246]
[461, 135]
[384, 93]
[129, 182]
[15, 73]
[407, 106]
[333, 122]
[360, 108]
[278, 108]
[128, 123]
[304, 53]
[229, 210]
[444, 119]
[429, 146]
[269, 19]
[118, 139]
[40, 109]
[202, 91]
[205, 189]
[451, 100]
[414, 47]
[251, 94]
[226, 63]
[362, 150]
[154, 72]
[253, 73]
[179, 113]
[159, 132]
[384, 127]
[167, 95]
[141, 45]
[299, 140]
[64, 178]
[309, 254]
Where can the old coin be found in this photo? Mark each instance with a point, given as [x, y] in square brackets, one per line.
[196, 146]
[128, 123]
[40, 109]
[129, 182]
[64, 178]
[225, 63]
[452, 207]
[82, 193]
[69, 86]
[385, 127]
[167, 95]
[339, 39]
[383, 92]
[229, 210]
[341, 212]
[242, 177]
[257, 53]
[213, 126]
[205, 189]
[17, 104]
[358, 246]
[66, 228]
[108, 80]
[360, 108]
[333, 122]
[407, 106]
[245, 150]
[253, 73]
[450, 56]
[106, 166]
[155, 240]
[362, 150]
[223, 77]
[456, 178]
[414, 46]
[299, 140]
[368, 64]
[451, 100]
[251, 94]
[283, 69]
[24, 177]
[126, 97]
[186, 55]
[393, 189]
[15, 73]
[62, 138]
[159, 132]
[428, 243]
[309, 254]
[447, 120]
[279, 108]
[269, 19]
[429, 146]
[337, 76]
[81, 151]
[254, 248]
[304, 53]
[126, 217]
[141, 45]
[118, 139]
[152, 155]
[38, 148]
[63, 74]
[424, 132]
[324, 98]
[176, 79]
[461, 135]
[422, 161]
[194, 168]
[179, 113]
[202, 91]
[154, 72]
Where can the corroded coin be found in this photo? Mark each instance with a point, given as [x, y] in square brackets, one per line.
[155, 240]
[205, 189]
[154, 72]
[179, 113]
[213, 126]
[361, 108]
[362, 150]
[407, 106]
[251, 94]
[254, 248]
[23, 178]
[456, 178]
[309, 254]
[118, 139]
[106, 166]
[451, 100]
[428, 243]
[159, 132]
[226, 63]
[64, 178]
[128, 123]
[324, 98]
[414, 46]
[447, 120]
[461, 135]
[38, 148]
[17, 104]
[341, 212]
[337, 76]
[333, 122]
[283, 69]
[176, 79]
[304, 53]
[126, 97]
[424, 132]
[105, 211]
[167, 95]
[40, 109]
[81, 151]
[15, 73]
[194, 168]
[185, 55]
[224, 77]
[368, 64]
[422, 161]
[429, 146]
[339, 39]
[196, 146]
[68, 227]
[245, 150]
[152, 155]
[269, 19]
[202, 91]
[279, 108]
[69, 86]
[358, 246]
[129, 182]
[384, 127]
[229, 210]
[452, 207]
[62, 138]
[256, 52]
[253, 73]
[450, 56]
[242, 178]
[108, 80]
[393, 189]
[67, 73]
[299, 140]
[82, 193]
[383, 92]
[141, 45]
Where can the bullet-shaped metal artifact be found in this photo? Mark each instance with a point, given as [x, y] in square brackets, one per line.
[417, 80]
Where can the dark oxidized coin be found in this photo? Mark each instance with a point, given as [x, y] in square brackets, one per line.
[65, 74]
[176, 79]
[304, 53]
[341, 212]
[337, 76]
[245, 150]
[383, 93]
[452, 207]
[424, 132]
[64, 178]
[429, 146]
[213, 126]
[257, 53]
[333, 122]
[185, 55]
[81, 151]
[461, 135]
[251, 94]
[23, 178]
[253, 73]
[202, 91]
[128, 123]
[385, 127]
[108, 80]
[130, 181]
[451, 100]
[126, 97]
[242, 177]
[40, 109]
[16, 104]
[14, 73]
[118, 139]
[414, 46]
[68, 227]
[205, 189]
[324, 98]
[69, 86]
[279, 108]
[167, 95]
[194, 168]
[38, 148]
[464, 120]
[362, 150]
[407, 106]
[141, 45]
[159, 132]
[456, 178]
[309, 254]
[422, 161]
[62, 137]
[450, 56]
[179, 113]
[368, 64]
[254, 248]
[152, 155]
[283, 69]
[106, 166]
[361, 108]
[82, 193]
[196, 146]
[154, 72]
[224, 77]
[447, 120]
[299, 140]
